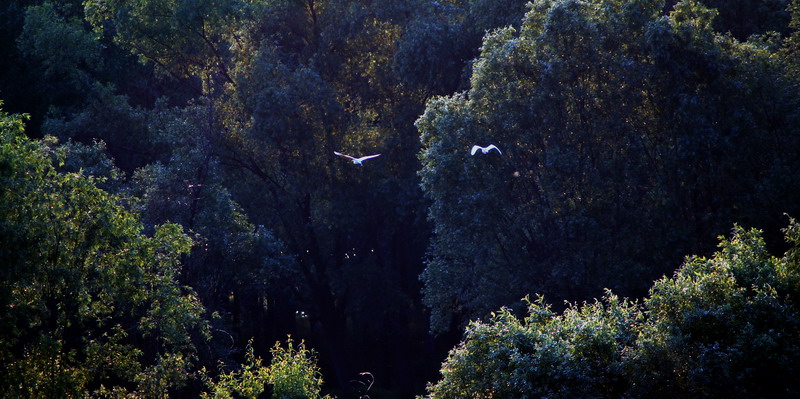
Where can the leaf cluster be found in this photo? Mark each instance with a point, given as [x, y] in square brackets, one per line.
[726, 326]
[92, 304]
[291, 374]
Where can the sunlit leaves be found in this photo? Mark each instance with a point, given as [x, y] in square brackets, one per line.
[83, 288]
[291, 374]
[726, 325]
[183, 38]
[576, 354]
[723, 326]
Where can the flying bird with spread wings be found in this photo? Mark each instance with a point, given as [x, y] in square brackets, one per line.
[484, 150]
[357, 161]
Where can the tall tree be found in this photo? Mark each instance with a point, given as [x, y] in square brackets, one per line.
[285, 84]
[240, 271]
[619, 128]
[183, 39]
[88, 87]
[350, 227]
[438, 45]
[89, 302]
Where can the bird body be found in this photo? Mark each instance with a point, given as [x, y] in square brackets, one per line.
[357, 161]
[484, 150]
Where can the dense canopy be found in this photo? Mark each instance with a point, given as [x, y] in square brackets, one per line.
[177, 220]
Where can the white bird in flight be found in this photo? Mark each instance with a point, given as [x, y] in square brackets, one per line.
[356, 161]
[484, 150]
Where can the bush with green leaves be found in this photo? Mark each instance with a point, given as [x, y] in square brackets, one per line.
[725, 326]
[292, 374]
[578, 354]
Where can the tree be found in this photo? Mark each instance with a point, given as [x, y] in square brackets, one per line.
[312, 78]
[437, 47]
[240, 271]
[60, 58]
[283, 122]
[275, 88]
[791, 46]
[83, 93]
[579, 353]
[620, 129]
[54, 36]
[725, 326]
[184, 40]
[90, 303]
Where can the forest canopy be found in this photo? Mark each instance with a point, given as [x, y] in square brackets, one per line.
[175, 205]
[630, 139]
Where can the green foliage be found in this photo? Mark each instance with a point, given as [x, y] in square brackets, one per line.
[632, 132]
[54, 35]
[111, 118]
[236, 267]
[576, 354]
[274, 87]
[182, 38]
[724, 326]
[91, 160]
[78, 79]
[249, 382]
[791, 50]
[437, 46]
[727, 326]
[62, 59]
[311, 78]
[91, 304]
[292, 374]
[621, 129]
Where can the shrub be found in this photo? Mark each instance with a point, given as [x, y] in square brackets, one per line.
[726, 326]
[292, 374]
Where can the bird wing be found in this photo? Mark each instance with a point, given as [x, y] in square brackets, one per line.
[367, 157]
[475, 149]
[495, 147]
[343, 155]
